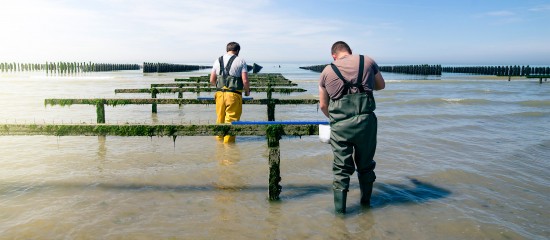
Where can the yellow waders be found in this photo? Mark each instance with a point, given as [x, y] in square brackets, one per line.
[229, 107]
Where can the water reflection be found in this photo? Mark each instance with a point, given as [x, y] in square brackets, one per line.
[229, 181]
[227, 154]
[274, 220]
[347, 226]
[101, 152]
[154, 118]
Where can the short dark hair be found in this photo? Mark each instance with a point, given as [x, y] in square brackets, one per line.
[233, 46]
[340, 46]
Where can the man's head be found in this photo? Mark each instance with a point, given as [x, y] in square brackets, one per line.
[233, 47]
[340, 48]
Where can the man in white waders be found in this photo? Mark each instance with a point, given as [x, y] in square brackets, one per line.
[346, 98]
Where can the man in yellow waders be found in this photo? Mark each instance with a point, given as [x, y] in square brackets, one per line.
[346, 98]
[230, 76]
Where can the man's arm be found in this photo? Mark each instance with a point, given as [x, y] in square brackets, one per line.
[246, 84]
[379, 82]
[213, 77]
[323, 100]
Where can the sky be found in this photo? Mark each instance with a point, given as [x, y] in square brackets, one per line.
[467, 32]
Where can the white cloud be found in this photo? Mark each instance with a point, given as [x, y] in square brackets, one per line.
[541, 8]
[196, 31]
[153, 30]
[502, 17]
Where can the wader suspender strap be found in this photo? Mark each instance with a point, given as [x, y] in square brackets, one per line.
[225, 71]
[347, 83]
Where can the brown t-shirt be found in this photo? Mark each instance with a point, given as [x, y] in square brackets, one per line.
[349, 67]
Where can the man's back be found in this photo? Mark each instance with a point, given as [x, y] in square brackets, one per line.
[349, 67]
[236, 67]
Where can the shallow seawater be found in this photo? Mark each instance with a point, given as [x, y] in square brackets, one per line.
[459, 157]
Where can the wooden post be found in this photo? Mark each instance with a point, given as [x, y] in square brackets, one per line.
[269, 91]
[270, 104]
[270, 111]
[100, 110]
[154, 95]
[198, 89]
[274, 133]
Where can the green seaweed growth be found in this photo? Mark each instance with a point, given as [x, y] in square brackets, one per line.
[273, 134]
[100, 111]
[126, 130]
[6, 129]
[167, 130]
[274, 174]
[285, 91]
[141, 130]
[116, 102]
[154, 91]
[63, 130]
[222, 130]
[60, 102]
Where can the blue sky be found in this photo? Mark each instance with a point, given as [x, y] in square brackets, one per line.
[391, 31]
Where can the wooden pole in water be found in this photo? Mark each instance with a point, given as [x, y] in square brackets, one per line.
[100, 110]
[154, 92]
[270, 104]
[270, 111]
[274, 134]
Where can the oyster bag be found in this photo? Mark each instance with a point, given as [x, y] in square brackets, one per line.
[324, 133]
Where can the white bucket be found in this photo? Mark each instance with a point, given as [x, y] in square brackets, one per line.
[324, 133]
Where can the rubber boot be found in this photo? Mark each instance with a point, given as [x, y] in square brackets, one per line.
[340, 200]
[365, 184]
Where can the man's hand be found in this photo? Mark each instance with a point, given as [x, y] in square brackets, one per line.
[247, 93]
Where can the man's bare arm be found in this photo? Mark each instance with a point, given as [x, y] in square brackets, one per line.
[323, 100]
[213, 78]
[379, 82]
[246, 84]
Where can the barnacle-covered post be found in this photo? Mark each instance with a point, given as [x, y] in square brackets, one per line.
[270, 103]
[198, 90]
[273, 134]
[180, 95]
[270, 111]
[154, 92]
[100, 110]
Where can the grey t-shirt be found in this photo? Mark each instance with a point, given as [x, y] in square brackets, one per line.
[237, 68]
[349, 67]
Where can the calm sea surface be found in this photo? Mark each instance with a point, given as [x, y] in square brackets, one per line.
[459, 157]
